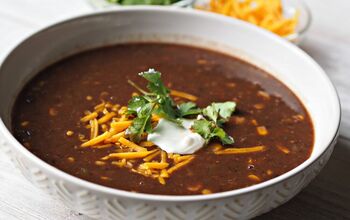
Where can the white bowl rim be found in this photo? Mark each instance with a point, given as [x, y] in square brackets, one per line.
[175, 198]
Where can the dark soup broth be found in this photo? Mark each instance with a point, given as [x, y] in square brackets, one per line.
[84, 96]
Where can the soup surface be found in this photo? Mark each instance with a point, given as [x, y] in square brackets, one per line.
[267, 114]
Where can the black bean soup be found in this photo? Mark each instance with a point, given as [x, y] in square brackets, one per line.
[47, 117]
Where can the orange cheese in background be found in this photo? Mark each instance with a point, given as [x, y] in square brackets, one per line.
[267, 14]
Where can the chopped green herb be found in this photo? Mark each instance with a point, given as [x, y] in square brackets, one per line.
[157, 101]
[142, 123]
[135, 104]
[209, 130]
[157, 97]
[220, 112]
[222, 135]
[188, 108]
[155, 84]
[204, 128]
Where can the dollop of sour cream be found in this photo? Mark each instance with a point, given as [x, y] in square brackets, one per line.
[173, 138]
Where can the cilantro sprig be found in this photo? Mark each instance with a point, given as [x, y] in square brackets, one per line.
[157, 101]
[209, 130]
[217, 114]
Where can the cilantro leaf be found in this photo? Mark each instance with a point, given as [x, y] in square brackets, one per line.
[145, 110]
[155, 101]
[135, 104]
[188, 108]
[166, 108]
[209, 130]
[142, 123]
[203, 127]
[222, 135]
[226, 109]
[138, 126]
[222, 111]
[211, 112]
[155, 84]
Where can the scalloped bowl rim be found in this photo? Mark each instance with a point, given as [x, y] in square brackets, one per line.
[176, 198]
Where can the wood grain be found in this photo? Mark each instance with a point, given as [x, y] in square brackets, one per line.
[328, 42]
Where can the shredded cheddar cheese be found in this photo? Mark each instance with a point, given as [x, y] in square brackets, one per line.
[131, 145]
[267, 14]
[179, 165]
[100, 163]
[152, 156]
[71, 159]
[120, 163]
[89, 117]
[241, 150]
[163, 156]
[128, 155]
[24, 123]
[94, 128]
[106, 117]
[100, 107]
[182, 158]
[283, 149]
[108, 123]
[155, 165]
[96, 140]
[103, 146]
[254, 177]
[69, 133]
[147, 144]
[183, 95]
[206, 191]
[164, 173]
[115, 138]
[155, 117]
[121, 125]
[161, 180]
[262, 130]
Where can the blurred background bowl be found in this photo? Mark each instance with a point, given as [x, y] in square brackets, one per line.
[104, 4]
[290, 7]
[304, 22]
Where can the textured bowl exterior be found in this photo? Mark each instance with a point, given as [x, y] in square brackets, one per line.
[103, 206]
[105, 203]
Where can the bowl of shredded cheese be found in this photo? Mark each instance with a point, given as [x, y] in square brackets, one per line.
[289, 19]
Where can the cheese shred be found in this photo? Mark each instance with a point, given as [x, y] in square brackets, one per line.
[131, 145]
[241, 150]
[179, 165]
[183, 95]
[128, 155]
[152, 156]
[96, 140]
[89, 117]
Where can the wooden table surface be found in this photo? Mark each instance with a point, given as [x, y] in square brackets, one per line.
[328, 42]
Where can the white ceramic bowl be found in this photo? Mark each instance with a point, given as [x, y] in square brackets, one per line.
[290, 7]
[283, 60]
